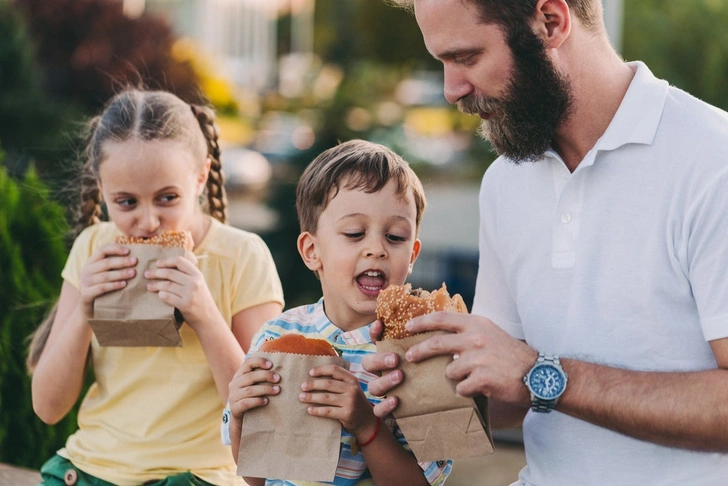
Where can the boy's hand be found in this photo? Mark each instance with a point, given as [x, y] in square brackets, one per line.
[109, 268]
[251, 386]
[340, 397]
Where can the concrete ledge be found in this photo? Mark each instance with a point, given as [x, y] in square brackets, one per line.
[18, 476]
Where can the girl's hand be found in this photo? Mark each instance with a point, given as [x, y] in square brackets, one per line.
[251, 386]
[179, 283]
[109, 268]
[340, 397]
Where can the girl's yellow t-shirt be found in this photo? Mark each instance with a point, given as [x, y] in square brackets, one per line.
[154, 412]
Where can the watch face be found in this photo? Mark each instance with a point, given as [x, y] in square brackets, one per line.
[546, 382]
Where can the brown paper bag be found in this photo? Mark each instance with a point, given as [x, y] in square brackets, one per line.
[281, 440]
[134, 316]
[437, 423]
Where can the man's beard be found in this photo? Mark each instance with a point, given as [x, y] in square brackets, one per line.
[538, 98]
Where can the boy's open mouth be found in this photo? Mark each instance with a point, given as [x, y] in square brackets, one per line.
[371, 281]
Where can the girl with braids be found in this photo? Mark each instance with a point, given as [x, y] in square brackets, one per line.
[152, 414]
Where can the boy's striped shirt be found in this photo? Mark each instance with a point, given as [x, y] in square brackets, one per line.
[353, 345]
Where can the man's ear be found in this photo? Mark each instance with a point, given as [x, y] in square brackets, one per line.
[306, 245]
[552, 22]
[415, 253]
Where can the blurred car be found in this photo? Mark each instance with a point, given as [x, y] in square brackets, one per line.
[282, 135]
[244, 168]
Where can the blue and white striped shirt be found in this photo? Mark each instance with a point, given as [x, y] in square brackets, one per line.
[353, 345]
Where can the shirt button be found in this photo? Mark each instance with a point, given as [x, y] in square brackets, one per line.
[565, 218]
[71, 477]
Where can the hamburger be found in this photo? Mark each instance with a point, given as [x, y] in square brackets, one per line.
[169, 239]
[299, 344]
[398, 304]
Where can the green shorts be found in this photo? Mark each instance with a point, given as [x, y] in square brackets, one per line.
[58, 471]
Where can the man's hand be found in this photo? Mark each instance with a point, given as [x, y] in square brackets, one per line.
[378, 363]
[489, 361]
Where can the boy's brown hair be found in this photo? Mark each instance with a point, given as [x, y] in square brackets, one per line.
[356, 164]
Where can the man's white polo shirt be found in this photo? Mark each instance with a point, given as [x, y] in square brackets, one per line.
[623, 262]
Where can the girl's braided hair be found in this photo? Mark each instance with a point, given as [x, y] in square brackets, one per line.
[150, 115]
[216, 198]
[143, 115]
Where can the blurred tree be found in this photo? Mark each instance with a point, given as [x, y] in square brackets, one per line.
[89, 49]
[357, 30]
[33, 250]
[300, 286]
[683, 41]
[218, 90]
[31, 124]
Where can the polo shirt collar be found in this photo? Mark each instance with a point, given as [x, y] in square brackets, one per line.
[639, 114]
[637, 117]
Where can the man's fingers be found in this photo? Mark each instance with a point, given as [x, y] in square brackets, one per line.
[385, 407]
[435, 346]
[378, 362]
[381, 386]
[376, 330]
[444, 321]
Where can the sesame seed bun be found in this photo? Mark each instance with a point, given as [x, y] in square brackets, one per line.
[398, 304]
[172, 239]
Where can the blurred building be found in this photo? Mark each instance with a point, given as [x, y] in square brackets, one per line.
[240, 35]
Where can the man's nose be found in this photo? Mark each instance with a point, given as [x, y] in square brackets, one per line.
[456, 86]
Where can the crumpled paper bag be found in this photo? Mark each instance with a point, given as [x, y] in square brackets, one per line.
[437, 423]
[281, 440]
[134, 316]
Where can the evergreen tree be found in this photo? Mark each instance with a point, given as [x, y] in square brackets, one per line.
[31, 125]
[33, 250]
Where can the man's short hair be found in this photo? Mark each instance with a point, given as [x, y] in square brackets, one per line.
[356, 164]
[512, 14]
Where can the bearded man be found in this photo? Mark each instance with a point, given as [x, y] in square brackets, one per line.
[600, 319]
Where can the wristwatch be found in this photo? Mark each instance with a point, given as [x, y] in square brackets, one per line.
[546, 381]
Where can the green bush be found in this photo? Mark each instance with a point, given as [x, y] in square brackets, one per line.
[33, 249]
[32, 125]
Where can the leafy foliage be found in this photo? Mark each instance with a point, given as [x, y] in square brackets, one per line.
[358, 30]
[683, 41]
[31, 124]
[32, 253]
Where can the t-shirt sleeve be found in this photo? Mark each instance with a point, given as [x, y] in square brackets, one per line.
[257, 278]
[705, 233]
[80, 253]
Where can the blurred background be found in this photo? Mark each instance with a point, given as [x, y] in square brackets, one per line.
[288, 79]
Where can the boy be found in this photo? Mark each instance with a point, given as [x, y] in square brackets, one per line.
[359, 206]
